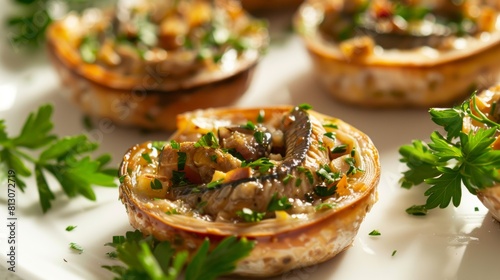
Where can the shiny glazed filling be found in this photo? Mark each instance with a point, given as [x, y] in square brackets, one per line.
[280, 166]
[407, 24]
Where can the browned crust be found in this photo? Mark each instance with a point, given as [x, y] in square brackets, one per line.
[287, 246]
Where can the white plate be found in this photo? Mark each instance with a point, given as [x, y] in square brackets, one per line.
[454, 243]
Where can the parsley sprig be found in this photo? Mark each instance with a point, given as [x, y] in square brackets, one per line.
[147, 258]
[459, 158]
[67, 159]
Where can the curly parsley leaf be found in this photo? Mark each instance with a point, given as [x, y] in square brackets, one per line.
[148, 258]
[67, 159]
[450, 161]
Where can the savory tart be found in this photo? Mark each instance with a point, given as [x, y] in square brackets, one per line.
[144, 62]
[401, 53]
[297, 182]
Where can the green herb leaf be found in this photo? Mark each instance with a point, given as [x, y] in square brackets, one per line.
[214, 184]
[324, 206]
[374, 233]
[70, 228]
[36, 129]
[207, 140]
[147, 157]
[305, 106]
[261, 164]
[276, 204]
[148, 258]
[89, 48]
[66, 158]
[450, 161]
[249, 125]
[156, 184]
[222, 260]
[181, 160]
[250, 216]
[76, 247]
[417, 210]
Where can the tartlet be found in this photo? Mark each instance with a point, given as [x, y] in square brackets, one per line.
[141, 64]
[487, 102]
[393, 54]
[296, 181]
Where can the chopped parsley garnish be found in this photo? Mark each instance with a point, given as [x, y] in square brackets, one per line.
[67, 159]
[158, 145]
[340, 149]
[374, 233]
[76, 247]
[287, 178]
[457, 159]
[305, 106]
[156, 184]
[172, 212]
[276, 204]
[213, 158]
[330, 135]
[70, 228]
[149, 258]
[324, 206]
[250, 216]
[207, 140]
[89, 48]
[417, 210]
[476, 209]
[394, 253]
[330, 125]
[147, 157]
[181, 160]
[327, 175]
[259, 137]
[308, 173]
[261, 164]
[325, 191]
[353, 169]
[175, 145]
[298, 182]
[249, 125]
[179, 178]
[214, 184]
[260, 117]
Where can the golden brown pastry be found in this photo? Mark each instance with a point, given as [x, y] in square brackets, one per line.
[297, 182]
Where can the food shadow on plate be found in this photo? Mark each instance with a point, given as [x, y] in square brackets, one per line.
[480, 259]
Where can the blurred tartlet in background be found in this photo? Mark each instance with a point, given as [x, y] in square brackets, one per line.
[401, 53]
[144, 62]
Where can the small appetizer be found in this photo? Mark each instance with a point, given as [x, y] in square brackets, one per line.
[387, 54]
[269, 5]
[144, 62]
[297, 182]
[468, 155]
